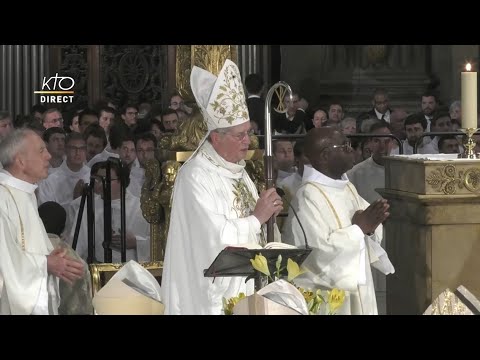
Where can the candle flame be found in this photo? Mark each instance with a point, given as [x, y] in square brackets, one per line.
[468, 67]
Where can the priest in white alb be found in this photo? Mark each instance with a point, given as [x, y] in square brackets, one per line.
[137, 228]
[60, 185]
[215, 203]
[343, 230]
[29, 264]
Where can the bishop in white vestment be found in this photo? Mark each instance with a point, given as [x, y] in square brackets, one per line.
[215, 203]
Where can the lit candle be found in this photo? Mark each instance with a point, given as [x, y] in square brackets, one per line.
[469, 98]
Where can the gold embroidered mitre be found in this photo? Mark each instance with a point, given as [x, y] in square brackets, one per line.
[222, 99]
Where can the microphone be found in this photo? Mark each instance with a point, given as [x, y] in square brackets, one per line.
[281, 193]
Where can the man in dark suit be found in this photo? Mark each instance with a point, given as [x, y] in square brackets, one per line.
[381, 108]
[294, 121]
[255, 103]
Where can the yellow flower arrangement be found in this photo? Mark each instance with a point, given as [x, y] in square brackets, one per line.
[229, 304]
[318, 301]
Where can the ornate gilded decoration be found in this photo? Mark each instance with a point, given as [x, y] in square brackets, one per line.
[184, 68]
[212, 57]
[151, 189]
[447, 303]
[189, 135]
[208, 57]
[169, 170]
[256, 171]
[244, 203]
[152, 210]
[447, 180]
[472, 179]
[280, 92]
[444, 179]
[134, 73]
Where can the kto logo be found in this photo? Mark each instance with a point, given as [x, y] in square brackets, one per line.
[61, 86]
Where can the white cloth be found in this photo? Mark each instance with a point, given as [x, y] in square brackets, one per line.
[103, 156]
[135, 223]
[59, 186]
[137, 178]
[290, 184]
[366, 177]
[28, 288]
[51, 169]
[207, 215]
[340, 257]
[281, 175]
[408, 149]
[432, 146]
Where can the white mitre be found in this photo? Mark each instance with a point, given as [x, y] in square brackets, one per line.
[221, 99]
[133, 290]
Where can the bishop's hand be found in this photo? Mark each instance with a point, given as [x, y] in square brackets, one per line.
[268, 204]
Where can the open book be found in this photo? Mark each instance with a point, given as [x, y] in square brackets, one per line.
[270, 245]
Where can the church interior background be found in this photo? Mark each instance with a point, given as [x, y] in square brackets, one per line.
[149, 73]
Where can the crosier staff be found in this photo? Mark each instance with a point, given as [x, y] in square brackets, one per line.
[280, 89]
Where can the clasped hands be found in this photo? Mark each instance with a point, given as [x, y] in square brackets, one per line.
[369, 219]
[64, 266]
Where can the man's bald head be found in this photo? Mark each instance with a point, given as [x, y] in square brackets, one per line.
[318, 139]
[328, 151]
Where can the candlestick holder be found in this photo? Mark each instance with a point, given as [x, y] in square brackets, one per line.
[469, 152]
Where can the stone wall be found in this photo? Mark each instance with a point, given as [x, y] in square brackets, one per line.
[351, 73]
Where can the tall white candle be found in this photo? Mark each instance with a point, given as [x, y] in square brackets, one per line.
[469, 98]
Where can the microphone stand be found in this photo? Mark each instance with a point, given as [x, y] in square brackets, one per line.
[90, 222]
[107, 214]
[85, 189]
[108, 211]
[282, 194]
[123, 224]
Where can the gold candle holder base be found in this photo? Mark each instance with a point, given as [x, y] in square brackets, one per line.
[469, 152]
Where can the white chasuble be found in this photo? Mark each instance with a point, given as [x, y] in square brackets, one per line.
[211, 209]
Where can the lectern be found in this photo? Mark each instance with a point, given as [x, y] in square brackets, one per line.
[235, 261]
[433, 232]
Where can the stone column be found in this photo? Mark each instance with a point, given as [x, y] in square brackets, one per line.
[254, 59]
[22, 70]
